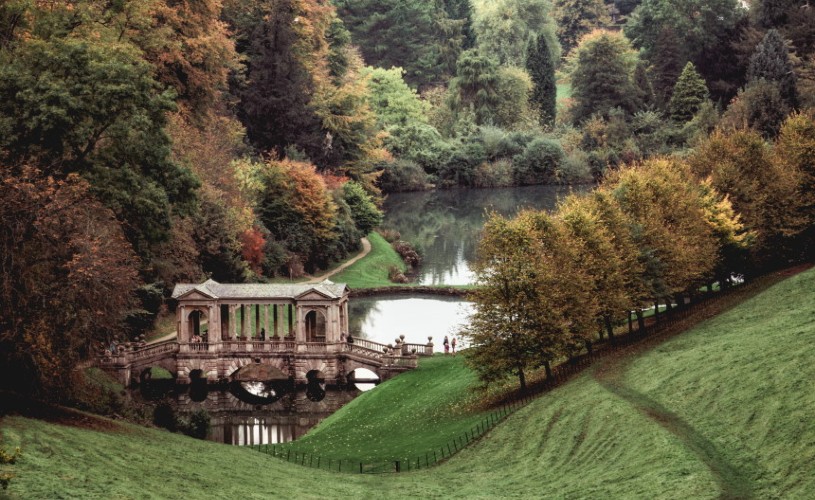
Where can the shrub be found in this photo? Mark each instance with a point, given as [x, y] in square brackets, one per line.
[496, 173]
[575, 167]
[403, 175]
[395, 275]
[409, 255]
[539, 162]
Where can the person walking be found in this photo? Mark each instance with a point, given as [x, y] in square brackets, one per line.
[453, 345]
[446, 344]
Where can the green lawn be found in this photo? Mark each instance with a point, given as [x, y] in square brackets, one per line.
[722, 411]
[405, 417]
[372, 270]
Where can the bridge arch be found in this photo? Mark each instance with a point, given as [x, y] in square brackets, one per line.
[197, 323]
[274, 369]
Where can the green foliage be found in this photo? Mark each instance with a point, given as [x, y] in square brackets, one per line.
[541, 69]
[668, 59]
[403, 175]
[74, 106]
[390, 98]
[364, 212]
[690, 92]
[539, 163]
[759, 106]
[417, 36]
[603, 65]
[504, 29]
[576, 18]
[697, 24]
[771, 62]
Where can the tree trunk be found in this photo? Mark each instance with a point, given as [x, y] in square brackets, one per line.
[630, 324]
[600, 331]
[610, 327]
[656, 311]
[548, 368]
[522, 379]
[588, 346]
[669, 308]
[640, 321]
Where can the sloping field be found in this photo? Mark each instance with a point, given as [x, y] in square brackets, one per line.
[722, 411]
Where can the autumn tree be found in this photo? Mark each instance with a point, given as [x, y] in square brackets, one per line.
[532, 304]
[764, 192]
[68, 279]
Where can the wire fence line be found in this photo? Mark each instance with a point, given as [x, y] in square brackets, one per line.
[508, 405]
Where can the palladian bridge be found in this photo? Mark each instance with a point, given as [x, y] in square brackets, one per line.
[294, 332]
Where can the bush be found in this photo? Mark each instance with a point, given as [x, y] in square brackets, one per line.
[539, 163]
[513, 144]
[409, 254]
[395, 275]
[496, 173]
[575, 167]
[403, 175]
[390, 235]
[196, 425]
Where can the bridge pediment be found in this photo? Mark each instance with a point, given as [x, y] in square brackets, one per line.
[195, 295]
[313, 295]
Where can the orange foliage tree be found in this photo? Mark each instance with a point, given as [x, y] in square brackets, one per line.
[67, 279]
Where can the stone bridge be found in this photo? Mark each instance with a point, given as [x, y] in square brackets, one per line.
[297, 331]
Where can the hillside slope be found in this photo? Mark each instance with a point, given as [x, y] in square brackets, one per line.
[722, 411]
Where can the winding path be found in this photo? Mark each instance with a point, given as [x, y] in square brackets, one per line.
[366, 249]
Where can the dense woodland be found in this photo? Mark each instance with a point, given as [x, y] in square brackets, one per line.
[149, 142]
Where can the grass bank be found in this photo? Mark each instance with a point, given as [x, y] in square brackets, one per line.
[372, 270]
[721, 411]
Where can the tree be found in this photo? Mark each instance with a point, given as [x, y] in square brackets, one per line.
[68, 278]
[364, 212]
[758, 106]
[667, 60]
[642, 86]
[603, 65]
[541, 69]
[664, 202]
[70, 104]
[771, 62]
[576, 18]
[688, 95]
[698, 24]
[392, 100]
[531, 305]
[764, 192]
[795, 151]
[418, 36]
[504, 29]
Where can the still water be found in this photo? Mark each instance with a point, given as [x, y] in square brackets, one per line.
[383, 318]
[445, 225]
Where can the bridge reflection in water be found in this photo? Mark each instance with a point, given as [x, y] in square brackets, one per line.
[239, 417]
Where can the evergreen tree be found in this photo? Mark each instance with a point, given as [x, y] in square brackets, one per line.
[667, 60]
[542, 70]
[773, 13]
[603, 66]
[771, 62]
[642, 85]
[689, 94]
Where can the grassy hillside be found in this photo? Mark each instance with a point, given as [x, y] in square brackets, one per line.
[722, 411]
[372, 270]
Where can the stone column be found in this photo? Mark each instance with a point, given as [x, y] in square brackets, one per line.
[278, 319]
[233, 321]
[182, 332]
[266, 321]
[299, 329]
[244, 320]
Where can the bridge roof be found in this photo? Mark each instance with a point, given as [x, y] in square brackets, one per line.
[217, 290]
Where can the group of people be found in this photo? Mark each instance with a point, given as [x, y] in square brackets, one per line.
[448, 344]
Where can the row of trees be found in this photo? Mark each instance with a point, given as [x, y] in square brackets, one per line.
[654, 232]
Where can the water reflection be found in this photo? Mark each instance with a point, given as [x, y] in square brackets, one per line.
[445, 225]
[383, 318]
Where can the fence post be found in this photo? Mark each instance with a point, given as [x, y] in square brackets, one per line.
[397, 467]
[360, 467]
[426, 460]
[288, 455]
